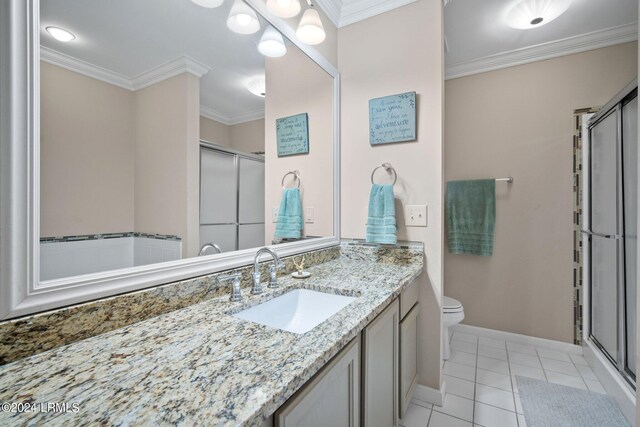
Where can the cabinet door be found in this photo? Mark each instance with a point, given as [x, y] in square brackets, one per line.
[380, 369]
[408, 358]
[331, 398]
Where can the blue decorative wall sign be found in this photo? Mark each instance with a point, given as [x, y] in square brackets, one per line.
[292, 134]
[392, 119]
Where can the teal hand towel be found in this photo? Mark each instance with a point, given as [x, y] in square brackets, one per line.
[381, 223]
[471, 216]
[289, 224]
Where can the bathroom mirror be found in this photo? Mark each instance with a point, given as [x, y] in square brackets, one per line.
[157, 157]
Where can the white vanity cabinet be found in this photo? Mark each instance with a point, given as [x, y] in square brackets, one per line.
[370, 382]
[331, 398]
[408, 345]
[380, 344]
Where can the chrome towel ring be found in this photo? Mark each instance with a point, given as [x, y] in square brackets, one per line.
[387, 167]
[296, 177]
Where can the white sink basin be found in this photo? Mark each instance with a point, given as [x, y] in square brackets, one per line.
[297, 311]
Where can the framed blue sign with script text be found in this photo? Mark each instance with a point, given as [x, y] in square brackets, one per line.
[292, 135]
[392, 119]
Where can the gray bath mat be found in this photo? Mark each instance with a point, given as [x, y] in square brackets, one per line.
[549, 405]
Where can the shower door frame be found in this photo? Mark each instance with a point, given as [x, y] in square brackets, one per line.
[620, 362]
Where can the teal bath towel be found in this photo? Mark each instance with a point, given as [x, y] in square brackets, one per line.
[381, 224]
[289, 223]
[471, 216]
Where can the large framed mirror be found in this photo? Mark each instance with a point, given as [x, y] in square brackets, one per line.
[152, 141]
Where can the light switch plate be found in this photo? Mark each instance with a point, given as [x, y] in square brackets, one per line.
[416, 216]
[309, 215]
[274, 213]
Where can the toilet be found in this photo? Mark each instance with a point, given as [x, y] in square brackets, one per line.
[452, 314]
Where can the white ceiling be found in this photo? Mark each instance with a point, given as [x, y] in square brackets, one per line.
[479, 39]
[129, 38]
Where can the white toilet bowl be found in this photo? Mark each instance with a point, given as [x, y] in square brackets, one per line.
[452, 314]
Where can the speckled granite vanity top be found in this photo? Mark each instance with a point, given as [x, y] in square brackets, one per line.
[199, 365]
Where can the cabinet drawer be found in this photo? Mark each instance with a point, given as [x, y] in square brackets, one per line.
[331, 398]
[408, 358]
[409, 298]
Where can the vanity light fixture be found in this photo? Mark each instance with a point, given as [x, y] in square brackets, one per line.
[310, 29]
[527, 14]
[209, 3]
[257, 86]
[272, 44]
[242, 19]
[60, 34]
[284, 8]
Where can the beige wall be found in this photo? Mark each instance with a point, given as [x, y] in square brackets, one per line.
[518, 122]
[295, 85]
[398, 51]
[167, 160]
[87, 157]
[247, 137]
[214, 131]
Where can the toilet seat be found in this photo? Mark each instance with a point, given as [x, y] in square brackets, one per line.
[450, 305]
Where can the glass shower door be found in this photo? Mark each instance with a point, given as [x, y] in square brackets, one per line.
[603, 232]
[629, 182]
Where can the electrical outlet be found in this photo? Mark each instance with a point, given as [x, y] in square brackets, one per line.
[309, 215]
[274, 213]
[416, 216]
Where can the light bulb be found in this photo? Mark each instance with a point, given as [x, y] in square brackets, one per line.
[284, 8]
[310, 30]
[272, 44]
[242, 19]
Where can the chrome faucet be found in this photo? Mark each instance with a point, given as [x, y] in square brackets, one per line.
[236, 295]
[206, 246]
[273, 275]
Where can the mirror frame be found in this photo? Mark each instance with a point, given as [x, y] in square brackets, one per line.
[21, 291]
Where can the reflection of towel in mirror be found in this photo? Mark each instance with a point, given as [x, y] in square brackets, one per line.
[289, 223]
[381, 224]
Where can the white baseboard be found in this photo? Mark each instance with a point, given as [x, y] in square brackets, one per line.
[611, 380]
[521, 339]
[424, 394]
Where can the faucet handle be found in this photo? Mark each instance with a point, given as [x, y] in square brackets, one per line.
[273, 274]
[234, 277]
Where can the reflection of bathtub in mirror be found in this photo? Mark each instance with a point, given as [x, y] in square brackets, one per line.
[76, 255]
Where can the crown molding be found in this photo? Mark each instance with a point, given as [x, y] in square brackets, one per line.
[182, 64]
[85, 68]
[212, 114]
[359, 10]
[582, 43]
[332, 9]
[343, 14]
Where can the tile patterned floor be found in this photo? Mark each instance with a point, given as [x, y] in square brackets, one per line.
[481, 386]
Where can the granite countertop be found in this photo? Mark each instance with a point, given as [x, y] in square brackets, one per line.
[199, 365]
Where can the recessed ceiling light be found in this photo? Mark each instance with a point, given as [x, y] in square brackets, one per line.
[257, 86]
[208, 3]
[526, 14]
[60, 34]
